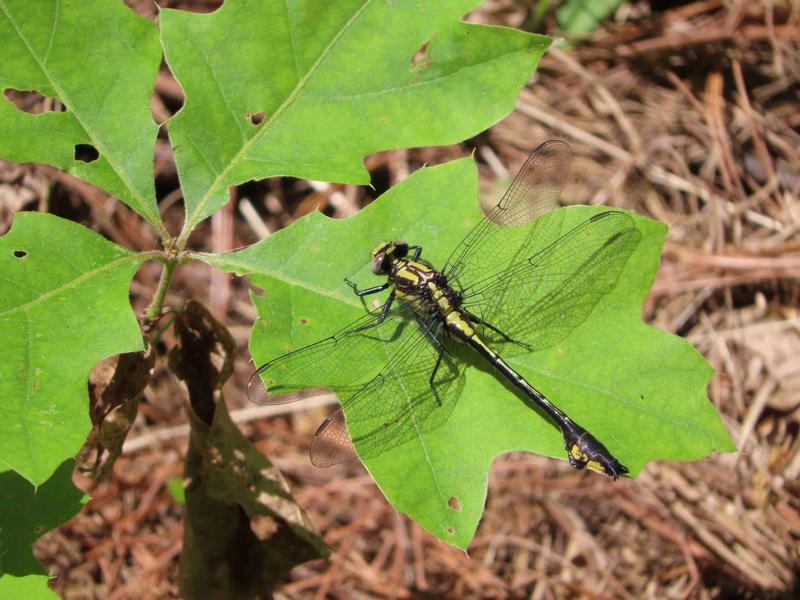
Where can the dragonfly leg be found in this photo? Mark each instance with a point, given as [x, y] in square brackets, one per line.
[417, 252]
[367, 291]
[433, 376]
[374, 290]
[386, 306]
[477, 319]
[381, 317]
[437, 343]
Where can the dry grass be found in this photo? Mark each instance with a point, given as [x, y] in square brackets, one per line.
[688, 116]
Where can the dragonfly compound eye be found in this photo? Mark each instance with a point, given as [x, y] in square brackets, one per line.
[379, 263]
[380, 258]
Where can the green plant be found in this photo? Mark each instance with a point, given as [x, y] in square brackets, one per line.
[613, 373]
[580, 16]
[305, 93]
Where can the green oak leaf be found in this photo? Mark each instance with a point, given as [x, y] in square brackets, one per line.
[330, 82]
[26, 513]
[63, 307]
[638, 389]
[100, 60]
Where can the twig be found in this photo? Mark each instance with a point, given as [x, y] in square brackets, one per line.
[243, 415]
[153, 311]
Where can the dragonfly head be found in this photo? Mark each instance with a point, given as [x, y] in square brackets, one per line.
[385, 253]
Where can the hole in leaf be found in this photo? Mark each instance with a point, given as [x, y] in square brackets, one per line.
[303, 321]
[263, 527]
[20, 253]
[421, 58]
[86, 153]
[454, 503]
[33, 102]
[256, 118]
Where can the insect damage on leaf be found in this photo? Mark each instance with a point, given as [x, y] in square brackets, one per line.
[421, 59]
[256, 118]
[33, 102]
[86, 153]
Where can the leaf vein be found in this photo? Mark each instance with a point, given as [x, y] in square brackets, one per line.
[409, 86]
[52, 35]
[142, 204]
[240, 156]
[247, 270]
[133, 258]
[680, 425]
[290, 27]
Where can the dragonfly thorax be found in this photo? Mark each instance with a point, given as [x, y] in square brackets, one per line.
[426, 288]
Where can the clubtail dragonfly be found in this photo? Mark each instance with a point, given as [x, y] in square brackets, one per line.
[502, 291]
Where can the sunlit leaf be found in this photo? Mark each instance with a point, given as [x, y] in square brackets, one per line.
[100, 61]
[638, 389]
[63, 307]
[308, 88]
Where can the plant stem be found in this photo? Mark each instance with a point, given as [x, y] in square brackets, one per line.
[156, 304]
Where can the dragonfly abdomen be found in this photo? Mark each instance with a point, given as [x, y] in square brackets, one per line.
[583, 449]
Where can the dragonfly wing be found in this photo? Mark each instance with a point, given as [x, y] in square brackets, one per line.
[331, 443]
[540, 300]
[500, 238]
[395, 406]
[342, 363]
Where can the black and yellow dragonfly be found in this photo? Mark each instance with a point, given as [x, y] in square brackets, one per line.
[513, 285]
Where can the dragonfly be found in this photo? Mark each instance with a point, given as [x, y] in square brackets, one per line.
[515, 284]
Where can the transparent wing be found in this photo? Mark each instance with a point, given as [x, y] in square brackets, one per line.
[397, 405]
[381, 374]
[504, 236]
[341, 363]
[331, 443]
[539, 300]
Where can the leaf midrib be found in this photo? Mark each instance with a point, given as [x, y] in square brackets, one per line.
[678, 425]
[192, 219]
[85, 276]
[143, 207]
[247, 269]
